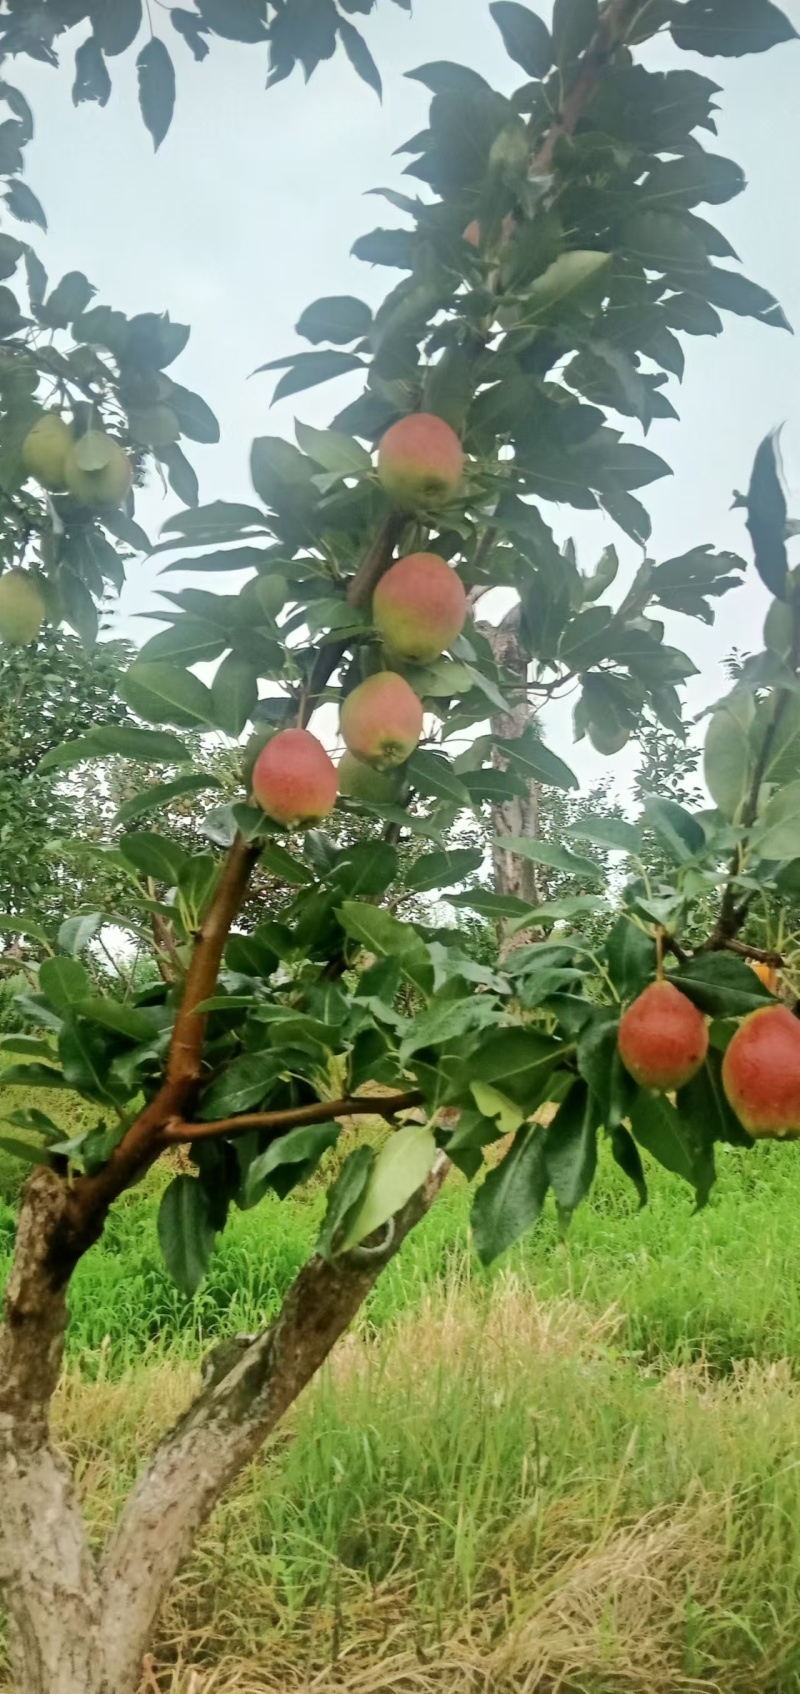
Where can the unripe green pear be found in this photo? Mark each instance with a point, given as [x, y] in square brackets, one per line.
[663, 1038]
[381, 721]
[419, 607]
[607, 741]
[761, 1073]
[420, 462]
[98, 472]
[44, 451]
[22, 608]
[358, 781]
[294, 780]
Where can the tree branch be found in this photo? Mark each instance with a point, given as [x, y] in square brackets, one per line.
[609, 35]
[222, 1432]
[378, 1105]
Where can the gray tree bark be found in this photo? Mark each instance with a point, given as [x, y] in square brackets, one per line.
[80, 1623]
[518, 816]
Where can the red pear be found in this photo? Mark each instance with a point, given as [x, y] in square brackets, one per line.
[420, 461]
[663, 1039]
[294, 781]
[761, 1073]
[419, 607]
[381, 721]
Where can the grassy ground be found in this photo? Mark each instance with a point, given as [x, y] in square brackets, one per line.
[577, 1472]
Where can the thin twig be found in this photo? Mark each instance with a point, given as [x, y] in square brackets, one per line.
[383, 1106]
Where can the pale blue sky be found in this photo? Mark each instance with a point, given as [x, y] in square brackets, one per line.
[249, 210]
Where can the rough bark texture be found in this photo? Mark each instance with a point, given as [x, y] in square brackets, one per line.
[518, 816]
[48, 1575]
[82, 1627]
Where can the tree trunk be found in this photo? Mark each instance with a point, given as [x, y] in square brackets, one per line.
[518, 816]
[81, 1625]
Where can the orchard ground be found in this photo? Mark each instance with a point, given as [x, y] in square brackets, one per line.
[598, 1490]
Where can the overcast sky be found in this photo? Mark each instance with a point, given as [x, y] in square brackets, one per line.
[249, 210]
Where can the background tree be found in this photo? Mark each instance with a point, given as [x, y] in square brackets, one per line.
[548, 282]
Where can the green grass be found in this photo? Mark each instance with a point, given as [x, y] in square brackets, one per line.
[721, 1285]
[577, 1469]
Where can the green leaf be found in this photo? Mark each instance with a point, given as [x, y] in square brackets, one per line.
[222, 520]
[365, 868]
[400, 1168]
[535, 761]
[195, 417]
[613, 833]
[306, 370]
[64, 981]
[145, 745]
[340, 319]
[693, 178]
[778, 833]
[302, 1146]
[28, 1151]
[601, 1067]
[185, 1232]
[628, 1157]
[727, 758]
[766, 519]
[116, 24]
[733, 292]
[492, 1103]
[157, 797]
[182, 478]
[234, 694]
[730, 27]
[164, 693]
[511, 1197]
[135, 1022]
[156, 74]
[631, 956]
[721, 984]
[75, 934]
[680, 833]
[571, 1149]
[703, 1101]
[92, 81]
[433, 774]
[344, 1197]
[155, 856]
[519, 1061]
[678, 1143]
[525, 37]
[564, 281]
[27, 1046]
[34, 1076]
[23, 204]
[334, 452]
[85, 1055]
[574, 24]
[383, 934]
[549, 853]
[245, 1083]
[360, 57]
[23, 925]
[235, 20]
[67, 300]
[442, 869]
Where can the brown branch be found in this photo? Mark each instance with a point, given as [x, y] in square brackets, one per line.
[373, 566]
[761, 955]
[608, 36]
[384, 1106]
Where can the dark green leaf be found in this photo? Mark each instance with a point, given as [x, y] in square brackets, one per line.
[766, 519]
[185, 1232]
[85, 1052]
[574, 24]
[145, 745]
[680, 833]
[721, 984]
[116, 23]
[302, 1146]
[600, 1066]
[339, 318]
[154, 856]
[344, 1199]
[156, 88]
[92, 81]
[75, 934]
[519, 1061]
[525, 36]
[360, 57]
[64, 981]
[631, 956]
[23, 204]
[730, 27]
[703, 1101]
[735, 293]
[628, 1157]
[33, 1076]
[442, 870]
[308, 369]
[196, 419]
[679, 1143]
[511, 1197]
[163, 693]
[571, 1148]
[27, 1151]
[234, 694]
[236, 20]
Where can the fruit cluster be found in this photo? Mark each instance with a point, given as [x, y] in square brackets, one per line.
[663, 1042]
[419, 608]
